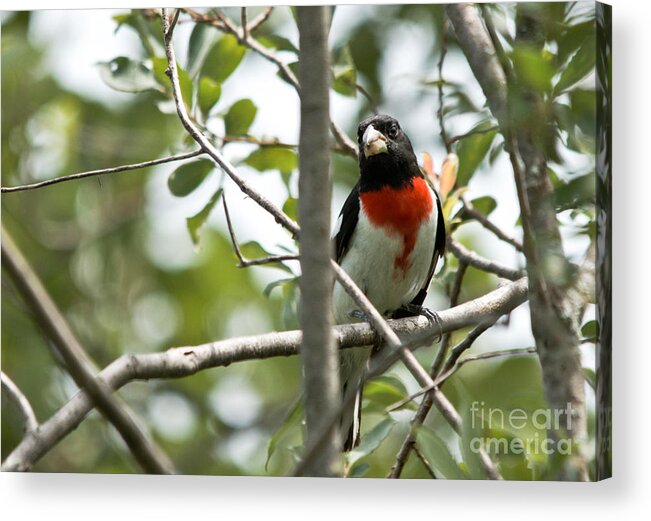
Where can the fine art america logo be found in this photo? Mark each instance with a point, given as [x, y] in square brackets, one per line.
[556, 422]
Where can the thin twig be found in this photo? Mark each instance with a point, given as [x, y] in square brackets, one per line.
[30, 423]
[483, 356]
[273, 142]
[244, 262]
[472, 212]
[103, 171]
[260, 19]
[444, 376]
[79, 365]
[423, 460]
[170, 30]
[466, 343]
[477, 261]
[244, 23]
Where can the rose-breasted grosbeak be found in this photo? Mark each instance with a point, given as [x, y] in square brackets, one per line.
[389, 237]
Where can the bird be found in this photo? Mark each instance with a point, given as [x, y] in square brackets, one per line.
[388, 237]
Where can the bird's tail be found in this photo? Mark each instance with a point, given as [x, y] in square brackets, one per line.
[353, 366]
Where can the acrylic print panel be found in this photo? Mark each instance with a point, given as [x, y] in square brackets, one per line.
[152, 307]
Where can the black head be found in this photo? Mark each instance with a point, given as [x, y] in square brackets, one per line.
[386, 156]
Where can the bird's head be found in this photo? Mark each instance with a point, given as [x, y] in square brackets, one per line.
[385, 152]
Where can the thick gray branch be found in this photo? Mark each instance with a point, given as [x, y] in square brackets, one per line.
[319, 354]
[553, 314]
[185, 361]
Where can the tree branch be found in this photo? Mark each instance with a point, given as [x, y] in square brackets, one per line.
[30, 423]
[479, 262]
[319, 356]
[549, 273]
[77, 362]
[185, 361]
[103, 171]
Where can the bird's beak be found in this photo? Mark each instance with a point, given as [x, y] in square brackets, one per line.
[374, 142]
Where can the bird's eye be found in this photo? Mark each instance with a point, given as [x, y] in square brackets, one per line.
[393, 131]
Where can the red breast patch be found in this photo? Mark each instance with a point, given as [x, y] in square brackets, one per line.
[400, 211]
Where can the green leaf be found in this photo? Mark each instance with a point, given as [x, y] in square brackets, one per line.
[195, 222]
[581, 64]
[291, 295]
[273, 158]
[580, 191]
[273, 41]
[292, 418]
[384, 391]
[358, 470]
[291, 208]
[344, 73]
[438, 454]
[471, 152]
[485, 204]
[209, 93]
[127, 75]
[201, 40]
[590, 330]
[239, 117]
[223, 58]
[186, 178]
[573, 37]
[277, 284]
[591, 377]
[371, 440]
[532, 68]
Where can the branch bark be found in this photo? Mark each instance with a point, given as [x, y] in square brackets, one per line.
[554, 327]
[79, 365]
[319, 354]
[185, 361]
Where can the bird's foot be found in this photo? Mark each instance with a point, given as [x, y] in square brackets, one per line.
[431, 316]
[358, 314]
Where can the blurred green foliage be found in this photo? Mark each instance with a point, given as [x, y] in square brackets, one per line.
[93, 242]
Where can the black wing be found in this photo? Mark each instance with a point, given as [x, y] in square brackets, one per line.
[349, 216]
[439, 250]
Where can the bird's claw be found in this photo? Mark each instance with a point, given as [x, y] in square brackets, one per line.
[431, 316]
[358, 314]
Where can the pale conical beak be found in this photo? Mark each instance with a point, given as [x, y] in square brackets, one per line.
[374, 142]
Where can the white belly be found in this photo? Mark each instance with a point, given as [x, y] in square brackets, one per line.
[370, 262]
